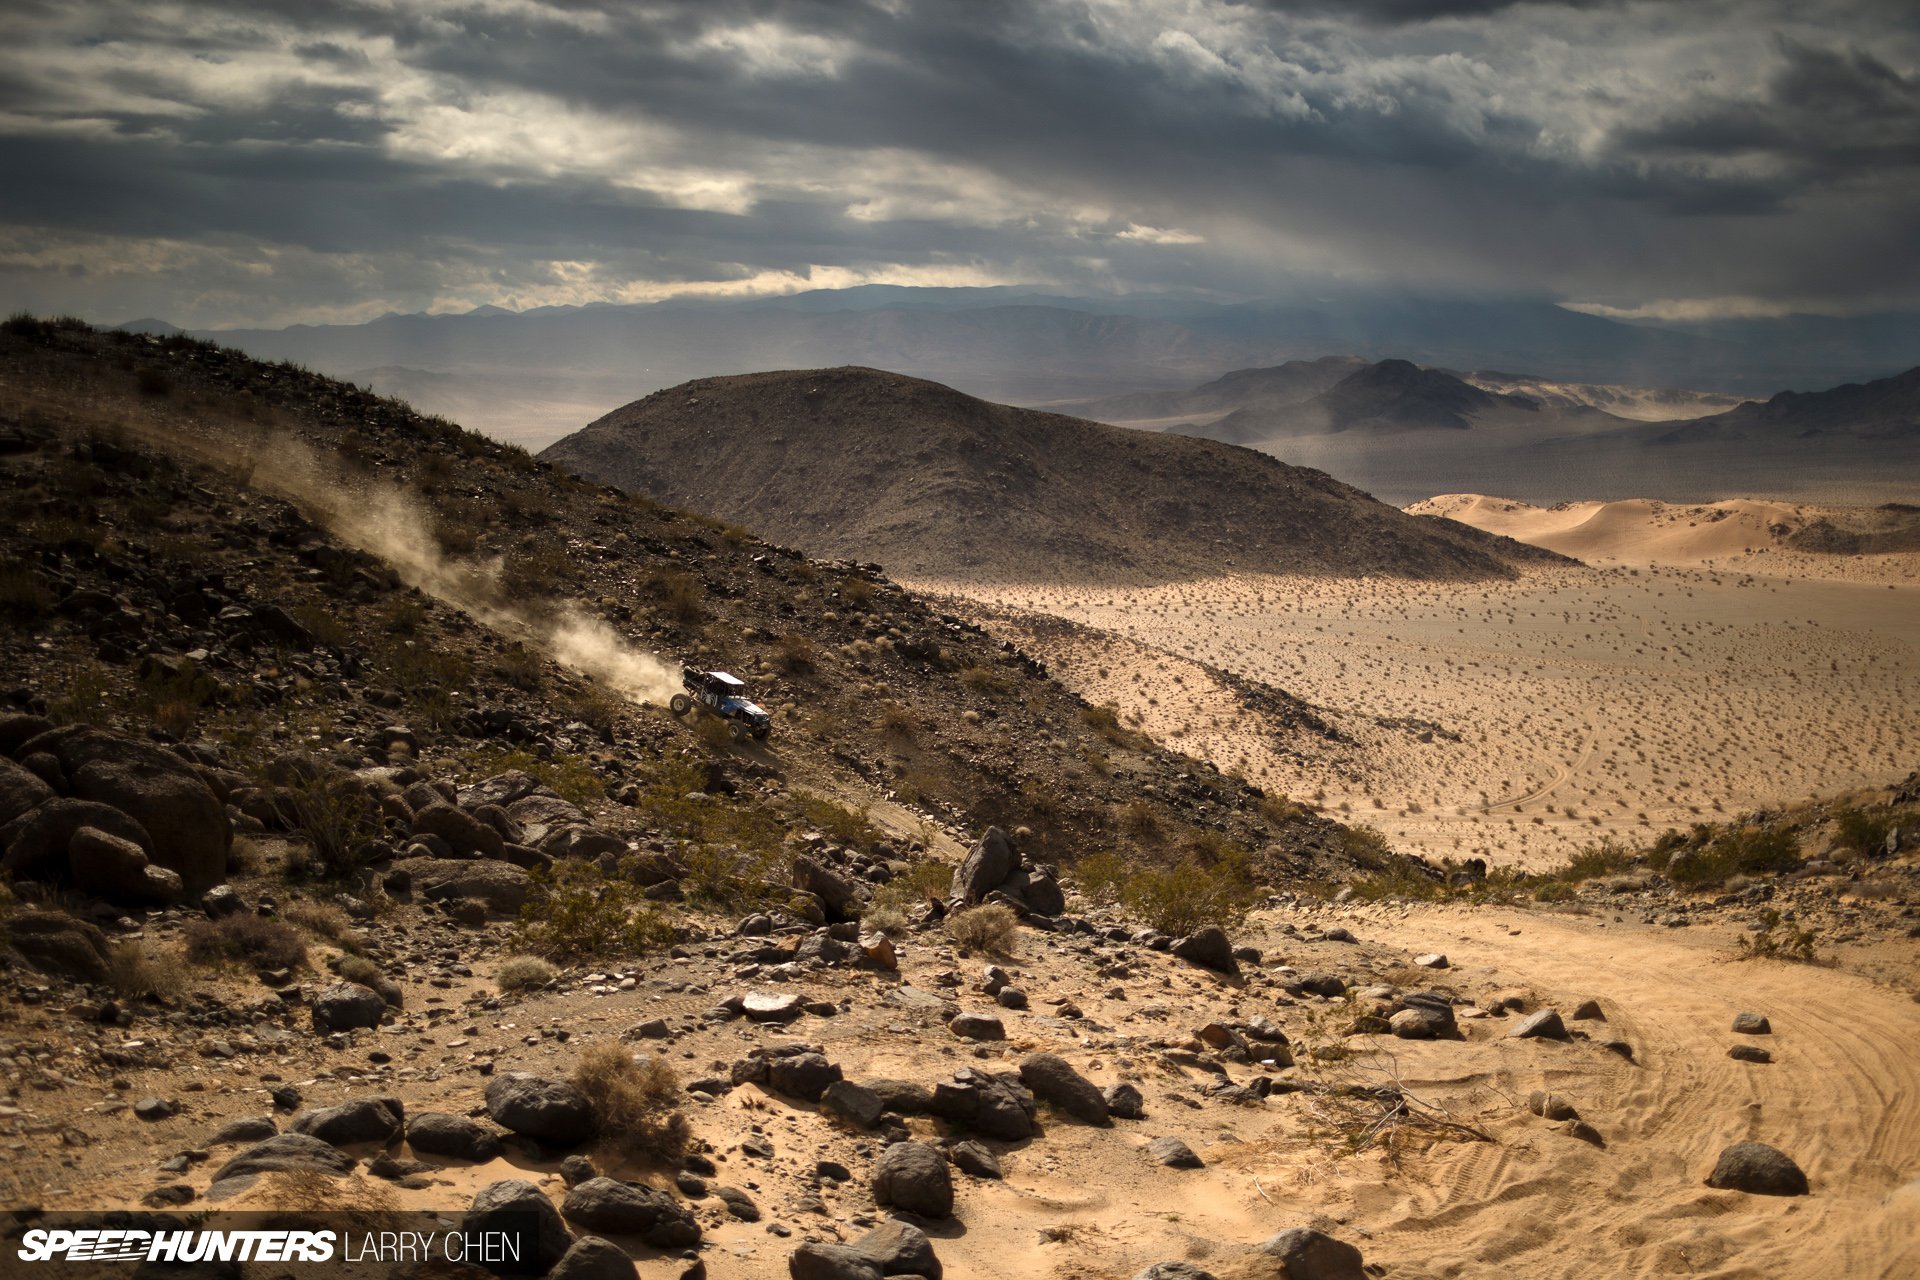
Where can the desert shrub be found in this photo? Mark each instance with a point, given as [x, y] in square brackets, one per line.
[856, 591]
[532, 574]
[597, 707]
[1738, 851]
[402, 616]
[1280, 810]
[340, 820]
[1105, 721]
[984, 679]
[1862, 831]
[523, 973]
[520, 667]
[991, 929]
[361, 970]
[634, 1102]
[1399, 878]
[892, 901]
[576, 914]
[139, 972]
[1177, 900]
[85, 695]
[324, 920]
[173, 698]
[1608, 857]
[885, 916]
[1777, 939]
[1365, 845]
[245, 938]
[1141, 821]
[896, 721]
[324, 624]
[796, 654]
[1102, 877]
[679, 595]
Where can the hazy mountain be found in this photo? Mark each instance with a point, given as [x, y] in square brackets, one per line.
[1031, 347]
[1269, 388]
[877, 466]
[1888, 408]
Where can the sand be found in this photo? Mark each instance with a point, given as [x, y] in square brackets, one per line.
[1516, 720]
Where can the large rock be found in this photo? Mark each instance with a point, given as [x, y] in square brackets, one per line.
[56, 943]
[592, 1258]
[991, 862]
[463, 832]
[1544, 1025]
[831, 1262]
[115, 868]
[1051, 1079]
[900, 1249]
[345, 1006]
[287, 1153]
[537, 1107]
[159, 790]
[37, 841]
[992, 1106]
[914, 1177]
[1759, 1169]
[627, 1209]
[1309, 1255]
[1421, 1022]
[20, 790]
[501, 789]
[1209, 948]
[801, 1075]
[436, 1133]
[517, 1208]
[1173, 1153]
[836, 893]
[502, 886]
[362, 1120]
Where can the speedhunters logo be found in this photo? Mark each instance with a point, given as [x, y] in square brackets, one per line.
[257, 1238]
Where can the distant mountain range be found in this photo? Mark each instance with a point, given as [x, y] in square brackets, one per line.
[531, 375]
[861, 463]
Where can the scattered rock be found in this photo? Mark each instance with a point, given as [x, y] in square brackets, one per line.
[1310, 1255]
[347, 1005]
[1589, 1011]
[1173, 1153]
[1208, 948]
[287, 1153]
[1173, 1271]
[1431, 960]
[975, 1158]
[856, 1104]
[1550, 1106]
[518, 1209]
[914, 1176]
[1544, 1025]
[1759, 1169]
[978, 1026]
[1752, 1024]
[626, 1209]
[1051, 1079]
[592, 1258]
[1125, 1100]
[362, 1120]
[546, 1110]
[437, 1134]
[1749, 1053]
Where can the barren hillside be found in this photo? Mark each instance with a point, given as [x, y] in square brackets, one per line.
[860, 463]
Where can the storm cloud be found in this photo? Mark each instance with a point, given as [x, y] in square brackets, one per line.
[273, 161]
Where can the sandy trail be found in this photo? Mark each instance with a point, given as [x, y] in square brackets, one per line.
[1842, 1097]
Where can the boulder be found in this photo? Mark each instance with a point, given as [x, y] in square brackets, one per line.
[436, 1133]
[115, 868]
[287, 1153]
[975, 1158]
[914, 1176]
[463, 832]
[1758, 1169]
[836, 893]
[1544, 1025]
[546, 1110]
[20, 790]
[1209, 948]
[502, 886]
[518, 1209]
[592, 1258]
[769, 1006]
[859, 1106]
[989, 864]
[1309, 1255]
[1043, 895]
[1052, 1079]
[1749, 1053]
[53, 942]
[345, 1006]
[1421, 1022]
[361, 1120]
[1752, 1024]
[801, 1075]
[900, 1249]
[37, 841]
[830, 1262]
[1125, 1100]
[1173, 1153]
[628, 1209]
[978, 1026]
[156, 788]
[501, 789]
[992, 1106]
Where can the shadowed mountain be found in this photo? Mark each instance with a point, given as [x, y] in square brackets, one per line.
[857, 462]
[1887, 408]
[1275, 387]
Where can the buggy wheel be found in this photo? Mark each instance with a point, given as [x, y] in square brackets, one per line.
[680, 704]
[736, 730]
[761, 734]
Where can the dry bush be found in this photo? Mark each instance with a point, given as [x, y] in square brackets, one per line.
[245, 939]
[634, 1102]
[141, 973]
[796, 654]
[361, 970]
[323, 920]
[679, 595]
[523, 973]
[992, 929]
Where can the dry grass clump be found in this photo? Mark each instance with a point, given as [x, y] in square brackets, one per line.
[992, 929]
[523, 973]
[634, 1102]
[323, 920]
[140, 973]
[245, 939]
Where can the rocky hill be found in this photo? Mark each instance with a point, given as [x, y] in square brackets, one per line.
[877, 466]
[1884, 409]
[1271, 387]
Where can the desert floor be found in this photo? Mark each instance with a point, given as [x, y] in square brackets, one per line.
[1515, 720]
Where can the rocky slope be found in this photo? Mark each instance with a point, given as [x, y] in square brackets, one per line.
[857, 462]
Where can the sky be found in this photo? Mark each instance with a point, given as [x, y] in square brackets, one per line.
[269, 162]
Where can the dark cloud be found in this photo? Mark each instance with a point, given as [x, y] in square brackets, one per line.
[563, 149]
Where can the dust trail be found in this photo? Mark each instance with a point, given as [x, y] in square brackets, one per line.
[386, 521]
